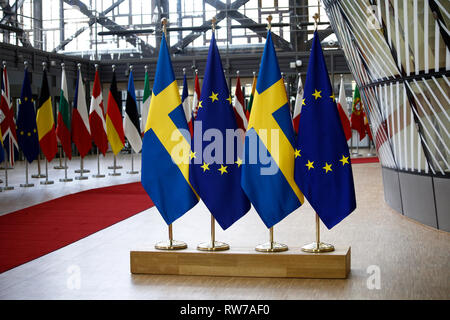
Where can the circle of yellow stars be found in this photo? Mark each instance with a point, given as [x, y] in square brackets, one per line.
[328, 166]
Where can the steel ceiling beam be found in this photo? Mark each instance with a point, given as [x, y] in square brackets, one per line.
[146, 49]
[222, 14]
[251, 24]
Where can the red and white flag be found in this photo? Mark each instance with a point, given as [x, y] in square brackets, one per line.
[7, 121]
[81, 132]
[299, 102]
[342, 106]
[238, 106]
[196, 98]
[97, 117]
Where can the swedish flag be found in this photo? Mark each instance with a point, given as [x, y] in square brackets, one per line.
[323, 170]
[268, 169]
[166, 146]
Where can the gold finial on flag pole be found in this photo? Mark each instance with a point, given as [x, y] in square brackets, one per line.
[316, 18]
[164, 23]
[269, 22]
[213, 23]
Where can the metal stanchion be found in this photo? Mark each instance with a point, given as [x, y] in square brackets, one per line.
[132, 164]
[98, 175]
[46, 181]
[171, 244]
[81, 171]
[39, 174]
[317, 246]
[26, 184]
[6, 187]
[65, 172]
[60, 166]
[114, 167]
[213, 245]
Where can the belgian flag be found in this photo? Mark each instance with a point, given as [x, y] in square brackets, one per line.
[45, 122]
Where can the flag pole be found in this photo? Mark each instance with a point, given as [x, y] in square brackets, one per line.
[170, 244]
[44, 66]
[81, 171]
[39, 174]
[65, 171]
[6, 187]
[98, 175]
[271, 246]
[318, 246]
[60, 166]
[26, 184]
[213, 245]
[114, 167]
[132, 151]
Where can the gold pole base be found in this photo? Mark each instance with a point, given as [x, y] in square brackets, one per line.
[171, 245]
[313, 248]
[271, 247]
[209, 246]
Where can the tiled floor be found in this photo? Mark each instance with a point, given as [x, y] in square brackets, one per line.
[409, 259]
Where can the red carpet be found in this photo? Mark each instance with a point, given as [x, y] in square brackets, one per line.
[365, 160]
[35, 231]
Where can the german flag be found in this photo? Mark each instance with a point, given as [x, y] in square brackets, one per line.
[45, 122]
[114, 126]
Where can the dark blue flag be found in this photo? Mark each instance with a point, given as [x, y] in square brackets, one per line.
[322, 167]
[216, 169]
[27, 135]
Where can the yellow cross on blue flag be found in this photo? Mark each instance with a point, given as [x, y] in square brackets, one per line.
[323, 171]
[216, 163]
[268, 169]
[166, 146]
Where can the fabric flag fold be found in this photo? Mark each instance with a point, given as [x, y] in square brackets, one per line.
[146, 98]
[268, 169]
[81, 133]
[26, 122]
[114, 123]
[238, 106]
[2, 151]
[196, 97]
[97, 117]
[166, 145]
[342, 106]
[63, 126]
[299, 102]
[131, 125]
[252, 96]
[323, 170]
[45, 122]
[216, 167]
[7, 121]
[186, 105]
[357, 117]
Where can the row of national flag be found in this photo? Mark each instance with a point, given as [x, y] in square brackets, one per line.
[272, 168]
[358, 118]
[36, 129]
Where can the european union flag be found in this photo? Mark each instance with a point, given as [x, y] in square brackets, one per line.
[165, 149]
[216, 169]
[268, 171]
[323, 170]
[27, 135]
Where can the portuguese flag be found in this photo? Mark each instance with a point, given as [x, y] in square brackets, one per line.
[357, 117]
[45, 122]
[63, 128]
